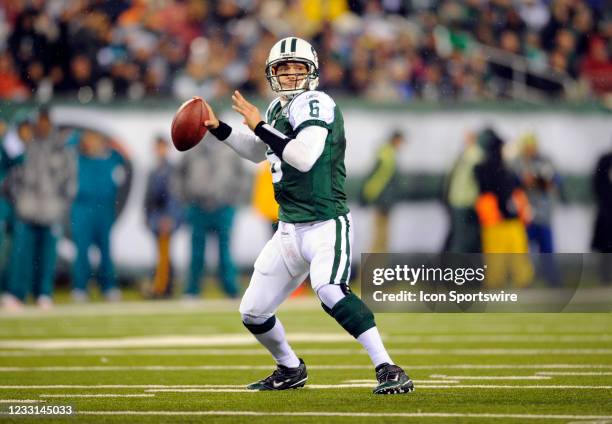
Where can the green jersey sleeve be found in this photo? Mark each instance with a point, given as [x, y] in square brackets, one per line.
[311, 108]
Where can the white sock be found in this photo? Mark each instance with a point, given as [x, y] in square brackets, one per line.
[372, 342]
[275, 341]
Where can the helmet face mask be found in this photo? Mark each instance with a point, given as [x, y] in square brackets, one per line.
[290, 51]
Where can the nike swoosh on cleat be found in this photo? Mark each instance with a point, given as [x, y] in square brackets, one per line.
[299, 382]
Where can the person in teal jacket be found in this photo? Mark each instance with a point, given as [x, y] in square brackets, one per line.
[101, 171]
[12, 148]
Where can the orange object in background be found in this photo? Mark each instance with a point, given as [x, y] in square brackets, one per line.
[522, 205]
[487, 208]
[263, 200]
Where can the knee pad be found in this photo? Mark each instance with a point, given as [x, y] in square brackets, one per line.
[352, 314]
[258, 324]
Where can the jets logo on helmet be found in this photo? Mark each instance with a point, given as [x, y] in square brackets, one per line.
[293, 49]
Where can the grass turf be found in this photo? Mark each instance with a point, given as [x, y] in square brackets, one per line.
[445, 353]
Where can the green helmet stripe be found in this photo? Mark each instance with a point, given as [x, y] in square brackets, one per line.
[293, 45]
[283, 46]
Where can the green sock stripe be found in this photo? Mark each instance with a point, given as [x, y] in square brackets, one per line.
[263, 327]
[353, 315]
[337, 251]
[347, 267]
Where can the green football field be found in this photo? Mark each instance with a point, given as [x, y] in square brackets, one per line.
[189, 362]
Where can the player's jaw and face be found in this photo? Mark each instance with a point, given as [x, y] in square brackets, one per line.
[291, 75]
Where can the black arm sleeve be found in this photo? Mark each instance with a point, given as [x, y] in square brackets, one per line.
[273, 138]
[222, 131]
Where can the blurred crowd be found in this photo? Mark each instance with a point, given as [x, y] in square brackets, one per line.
[382, 50]
[500, 199]
[58, 183]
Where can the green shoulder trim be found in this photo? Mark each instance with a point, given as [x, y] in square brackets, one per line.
[270, 110]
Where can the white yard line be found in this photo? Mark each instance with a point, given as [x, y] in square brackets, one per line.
[531, 386]
[164, 340]
[141, 343]
[349, 414]
[47, 347]
[318, 367]
[145, 307]
[491, 377]
[100, 395]
[374, 382]
[21, 401]
[111, 386]
[228, 390]
[153, 352]
[573, 373]
[312, 386]
[498, 338]
[137, 368]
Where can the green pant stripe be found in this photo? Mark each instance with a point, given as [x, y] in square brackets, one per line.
[347, 268]
[337, 251]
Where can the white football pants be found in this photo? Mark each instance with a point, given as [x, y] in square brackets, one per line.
[322, 249]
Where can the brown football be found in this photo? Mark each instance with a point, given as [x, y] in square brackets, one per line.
[188, 124]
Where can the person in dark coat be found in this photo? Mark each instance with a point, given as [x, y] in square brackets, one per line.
[503, 211]
[163, 215]
[602, 234]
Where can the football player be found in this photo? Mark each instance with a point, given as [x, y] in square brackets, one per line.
[302, 137]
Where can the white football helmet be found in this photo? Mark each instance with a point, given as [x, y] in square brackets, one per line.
[293, 49]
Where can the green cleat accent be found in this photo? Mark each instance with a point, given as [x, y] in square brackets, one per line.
[282, 378]
[392, 380]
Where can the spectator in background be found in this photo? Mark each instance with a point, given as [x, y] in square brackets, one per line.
[163, 215]
[5, 209]
[101, 170]
[41, 189]
[211, 180]
[602, 233]
[503, 210]
[11, 86]
[11, 154]
[380, 189]
[199, 77]
[542, 183]
[462, 190]
[597, 67]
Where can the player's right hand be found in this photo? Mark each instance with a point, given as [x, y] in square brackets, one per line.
[212, 122]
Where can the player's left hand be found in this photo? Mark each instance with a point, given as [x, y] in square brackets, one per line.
[251, 114]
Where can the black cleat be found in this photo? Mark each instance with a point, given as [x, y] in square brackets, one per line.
[392, 380]
[283, 378]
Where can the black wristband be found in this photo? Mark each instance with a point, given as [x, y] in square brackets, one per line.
[272, 137]
[222, 131]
